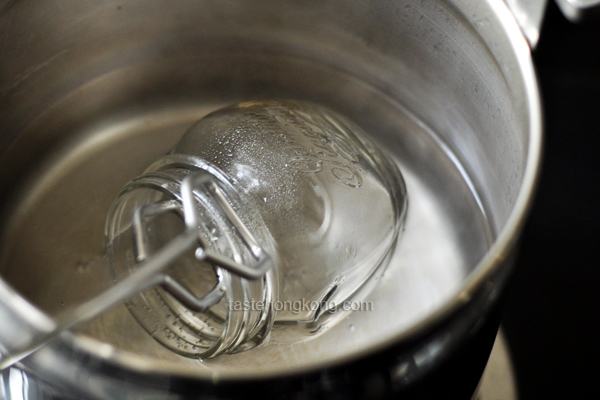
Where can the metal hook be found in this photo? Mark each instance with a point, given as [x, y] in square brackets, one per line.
[149, 270]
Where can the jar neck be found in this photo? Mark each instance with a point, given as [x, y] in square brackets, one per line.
[244, 316]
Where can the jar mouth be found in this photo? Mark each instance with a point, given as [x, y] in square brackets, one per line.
[221, 328]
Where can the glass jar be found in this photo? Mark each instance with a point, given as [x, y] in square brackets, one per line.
[288, 181]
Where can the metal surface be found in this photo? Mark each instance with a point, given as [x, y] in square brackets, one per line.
[15, 384]
[146, 276]
[498, 381]
[447, 87]
[577, 10]
[529, 14]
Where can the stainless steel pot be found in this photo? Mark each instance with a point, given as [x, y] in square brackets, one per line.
[77, 76]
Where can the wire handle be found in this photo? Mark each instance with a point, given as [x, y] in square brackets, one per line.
[149, 270]
[188, 208]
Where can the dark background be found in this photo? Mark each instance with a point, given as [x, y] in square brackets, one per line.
[551, 316]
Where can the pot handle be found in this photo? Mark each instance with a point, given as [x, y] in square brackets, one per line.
[530, 13]
[576, 10]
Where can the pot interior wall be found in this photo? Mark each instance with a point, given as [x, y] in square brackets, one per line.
[92, 92]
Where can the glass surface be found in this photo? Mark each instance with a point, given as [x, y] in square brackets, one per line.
[309, 184]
